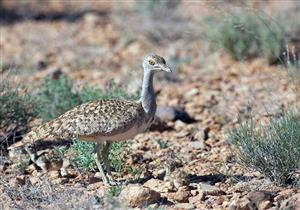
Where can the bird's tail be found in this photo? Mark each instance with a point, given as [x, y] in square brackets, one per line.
[39, 133]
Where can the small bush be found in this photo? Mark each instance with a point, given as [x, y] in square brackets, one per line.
[84, 160]
[115, 191]
[154, 7]
[16, 111]
[293, 68]
[273, 150]
[56, 96]
[83, 155]
[246, 36]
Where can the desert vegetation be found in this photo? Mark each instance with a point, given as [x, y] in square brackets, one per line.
[236, 74]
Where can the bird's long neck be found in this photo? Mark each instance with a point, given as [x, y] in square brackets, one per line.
[148, 95]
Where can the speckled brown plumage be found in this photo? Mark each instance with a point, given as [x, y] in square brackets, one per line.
[89, 120]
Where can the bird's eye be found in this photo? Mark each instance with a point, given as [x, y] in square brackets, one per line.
[151, 62]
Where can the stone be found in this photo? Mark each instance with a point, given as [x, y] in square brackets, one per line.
[91, 19]
[165, 113]
[60, 180]
[17, 181]
[179, 125]
[258, 197]
[30, 169]
[181, 196]
[137, 195]
[156, 185]
[192, 92]
[3, 166]
[95, 186]
[265, 205]
[55, 165]
[240, 204]
[196, 145]
[33, 180]
[207, 189]
[53, 175]
[169, 113]
[185, 206]
[194, 192]
[68, 173]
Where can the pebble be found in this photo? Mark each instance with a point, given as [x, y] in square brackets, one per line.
[136, 195]
[181, 196]
[185, 206]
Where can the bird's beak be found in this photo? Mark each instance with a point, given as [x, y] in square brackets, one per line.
[166, 68]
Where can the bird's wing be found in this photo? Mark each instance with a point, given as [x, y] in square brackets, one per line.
[103, 117]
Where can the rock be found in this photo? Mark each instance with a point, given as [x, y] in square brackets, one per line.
[55, 165]
[169, 113]
[194, 192]
[136, 195]
[156, 185]
[207, 189]
[240, 204]
[196, 145]
[61, 180]
[185, 206]
[181, 196]
[95, 186]
[68, 173]
[201, 134]
[33, 180]
[53, 175]
[93, 180]
[259, 198]
[179, 125]
[292, 203]
[15, 155]
[195, 199]
[91, 19]
[31, 168]
[265, 205]
[3, 166]
[19, 180]
[192, 93]
[166, 113]
[181, 134]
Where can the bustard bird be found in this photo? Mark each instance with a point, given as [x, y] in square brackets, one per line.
[104, 121]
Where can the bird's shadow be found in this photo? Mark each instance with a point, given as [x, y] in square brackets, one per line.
[192, 178]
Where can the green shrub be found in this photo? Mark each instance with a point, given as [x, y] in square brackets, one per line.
[16, 111]
[83, 155]
[114, 191]
[245, 35]
[273, 150]
[56, 96]
[152, 7]
[84, 160]
[293, 68]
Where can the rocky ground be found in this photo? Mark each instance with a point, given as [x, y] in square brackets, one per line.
[95, 46]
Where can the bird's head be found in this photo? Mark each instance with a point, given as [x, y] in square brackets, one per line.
[155, 63]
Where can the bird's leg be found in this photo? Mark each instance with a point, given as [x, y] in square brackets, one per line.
[37, 160]
[31, 152]
[98, 158]
[105, 153]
